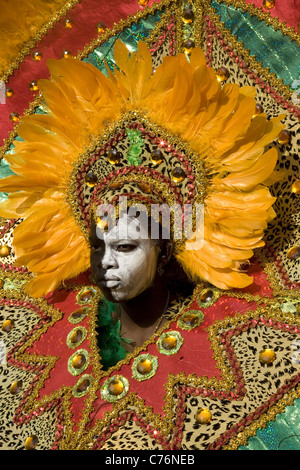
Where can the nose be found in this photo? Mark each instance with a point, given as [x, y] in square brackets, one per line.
[108, 260]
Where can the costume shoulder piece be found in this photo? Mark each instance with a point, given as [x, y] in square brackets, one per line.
[190, 105]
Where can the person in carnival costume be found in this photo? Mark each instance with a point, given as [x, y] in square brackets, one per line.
[140, 196]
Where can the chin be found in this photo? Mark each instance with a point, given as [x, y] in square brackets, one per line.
[114, 296]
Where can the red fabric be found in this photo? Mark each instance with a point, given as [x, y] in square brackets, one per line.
[86, 15]
[287, 11]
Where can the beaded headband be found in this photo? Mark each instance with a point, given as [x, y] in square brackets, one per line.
[176, 134]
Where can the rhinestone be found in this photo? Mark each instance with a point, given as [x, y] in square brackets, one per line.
[31, 442]
[9, 92]
[76, 336]
[101, 28]
[203, 416]
[85, 296]
[169, 342]
[16, 387]
[206, 295]
[67, 54]
[91, 179]
[156, 156]
[284, 137]
[7, 325]
[78, 361]
[188, 15]
[37, 56]
[68, 23]
[114, 157]
[4, 250]
[78, 314]
[143, 3]
[258, 109]
[115, 387]
[222, 74]
[33, 86]
[178, 174]
[144, 366]
[268, 4]
[190, 319]
[83, 386]
[296, 187]
[14, 117]
[188, 46]
[294, 252]
[266, 356]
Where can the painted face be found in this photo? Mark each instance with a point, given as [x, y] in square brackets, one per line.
[124, 259]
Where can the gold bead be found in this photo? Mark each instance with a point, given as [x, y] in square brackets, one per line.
[68, 23]
[294, 252]
[31, 442]
[267, 356]
[178, 174]
[156, 156]
[33, 86]
[8, 325]
[144, 366]
[67, 54]
[101, 28]
[222, 74]
[143, 3]
[188, 46]
[203, 416]
[37, 56]
[91, 179]
[296, 187]
[115, 387]
[14, 117]
[268, 4]
[4, 250]
[78, 361]
[258, 109]
[9, 92]
[16, 387]
[284, 137]
[188, 15]
[114, 157]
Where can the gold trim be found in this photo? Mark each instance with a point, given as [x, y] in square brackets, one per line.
[29, 45]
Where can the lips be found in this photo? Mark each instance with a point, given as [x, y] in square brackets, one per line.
[109, 282]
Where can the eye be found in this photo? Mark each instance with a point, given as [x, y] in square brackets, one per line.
[125, 247]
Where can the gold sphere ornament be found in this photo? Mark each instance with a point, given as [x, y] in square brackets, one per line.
[267, 356]
[294, 252]
[7, 325]
[14, 117]
[5, 250]
[101, 28]
[16, 387]
[31, 442]
[284, 137]
[37, 56]
[203, 416]
[67, 54]
[143, 3]
[222, 74]
[296, 187]
[68, 23]
[268, 4]
[9, 92]
[33, 86]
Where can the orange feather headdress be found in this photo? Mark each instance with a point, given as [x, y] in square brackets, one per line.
[83, 145]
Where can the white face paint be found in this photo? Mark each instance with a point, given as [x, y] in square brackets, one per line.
[124, 264]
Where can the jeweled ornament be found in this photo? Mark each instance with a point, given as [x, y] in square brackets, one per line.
[296, 187]
[101, 28]
[31, 442]
[178, 175]
[5, 250]
[143, 3]
[188, 46]
[9, 92]
[114, 388]
[284, 137]
[188, 15]
[190, 319]
[78, 315]
[170, 342]
[76, 336]
[85, 295]
[268, 4]
[83, 385]
[293, 253]
[91, 179]
[33, 86]
[37, 56]
[267, 356]
[16, 387]
[68, 23]
[7, 325]
[222, 74]
[67, 54]
[206, 296]
[258, 109]
[78, 362]
[144, 367]
[156, 156]
[203, 416]
[14, 117]
[113, 156]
